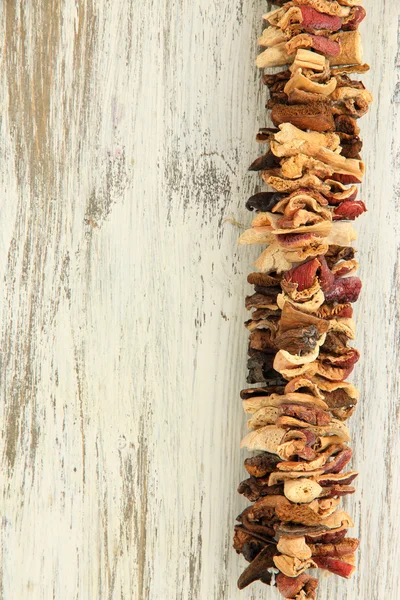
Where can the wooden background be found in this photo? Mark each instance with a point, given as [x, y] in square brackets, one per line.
[126, 131]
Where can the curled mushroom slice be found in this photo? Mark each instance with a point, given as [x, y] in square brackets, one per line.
[309, 306]
[302, 490]
[292, 567]
[299, 82]
[304, 385]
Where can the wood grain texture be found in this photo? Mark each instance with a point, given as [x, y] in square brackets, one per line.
[126, 132]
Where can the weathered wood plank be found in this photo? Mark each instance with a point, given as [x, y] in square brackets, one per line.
[126, 132]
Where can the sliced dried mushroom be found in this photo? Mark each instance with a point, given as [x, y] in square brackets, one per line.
[259, 568]
[255, 488]
[292, 567]
[302, 490]
[261, 465]
[302, 587]
[295, 547]
[266, 438]
[346, 546]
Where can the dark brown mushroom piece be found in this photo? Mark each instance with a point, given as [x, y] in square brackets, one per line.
[262, 464]
[258, 568]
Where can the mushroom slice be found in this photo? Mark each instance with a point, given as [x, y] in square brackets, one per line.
[261, 465]
[298, 81]
[273, 259]
[308, 306]
[290, 133]
[292, 567]
[264, 416]
[342, 234]
[322, 228]
[336, 427]
[265, 438]
[255, 403]
[283, 17]
[302, 490]
[295, 547]
[258, 568]
[256, 235]
[276, 56]
[275, 180]
[304, 385]
[282, 476]
[271, 36]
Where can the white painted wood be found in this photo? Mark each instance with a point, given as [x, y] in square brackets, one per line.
[126, 132]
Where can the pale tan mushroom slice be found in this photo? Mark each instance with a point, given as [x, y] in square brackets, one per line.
[339, 518]
[271, 36]
[266, 415]
[276, 56]
[256, 235]
[341, 234]
[292, 567]
[265, 438]
[322, 228]
[331, 386]
[294, 546]
[287, 360]
[298, 81]
[303, 383]
[302, 490]
[309, 370]
[325, 506]
[309, 306]
[289, 133]
[273, 259]
[296, 166]
[315, 248]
